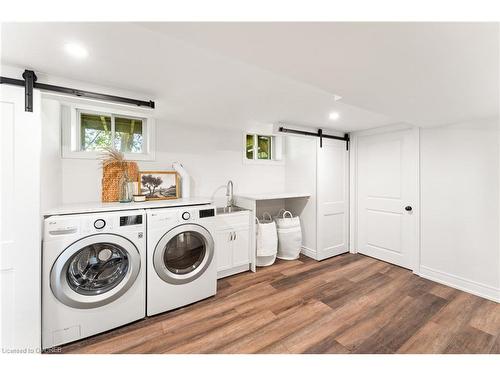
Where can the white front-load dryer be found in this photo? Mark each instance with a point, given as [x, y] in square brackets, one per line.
[181, 257]
[93, 274]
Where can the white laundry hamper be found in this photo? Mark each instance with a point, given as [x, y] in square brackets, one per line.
[266, 241]
[289, 236]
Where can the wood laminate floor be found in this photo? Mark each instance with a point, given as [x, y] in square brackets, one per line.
[347, 304]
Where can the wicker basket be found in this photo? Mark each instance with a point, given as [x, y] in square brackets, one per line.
[111, 176]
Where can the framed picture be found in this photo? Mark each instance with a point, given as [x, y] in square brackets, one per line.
[157, 185]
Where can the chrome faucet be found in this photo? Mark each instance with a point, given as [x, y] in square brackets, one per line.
[229, 194]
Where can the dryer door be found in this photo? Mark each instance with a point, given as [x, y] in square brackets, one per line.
[95, 271]
[183, 254]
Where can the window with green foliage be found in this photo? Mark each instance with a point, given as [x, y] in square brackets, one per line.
[259, 147]
[101, 131]
[128, 134]
[250, 146]
[95, 132]
[89, 130]
[264, 145]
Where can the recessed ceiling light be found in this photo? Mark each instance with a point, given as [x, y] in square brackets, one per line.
[76, 50]
[334, 116]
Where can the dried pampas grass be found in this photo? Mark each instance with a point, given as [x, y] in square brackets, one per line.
[110, 155]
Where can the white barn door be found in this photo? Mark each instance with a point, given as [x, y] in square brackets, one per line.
[20, 221]
[387, 196]
[332, 199]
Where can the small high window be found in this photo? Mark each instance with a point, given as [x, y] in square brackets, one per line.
[90, 132]
[259, 147]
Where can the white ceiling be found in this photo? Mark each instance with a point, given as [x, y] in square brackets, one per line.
[243, 75]
[422, 73]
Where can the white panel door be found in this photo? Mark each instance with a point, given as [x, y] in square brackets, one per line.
[387, 190]
[332, 198]
[20, 221]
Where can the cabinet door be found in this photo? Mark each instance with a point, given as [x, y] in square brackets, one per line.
[240, 247]
[224, 249]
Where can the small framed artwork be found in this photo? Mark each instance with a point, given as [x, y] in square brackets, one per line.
[157, 185]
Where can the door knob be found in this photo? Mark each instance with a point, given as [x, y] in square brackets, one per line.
[408, 208]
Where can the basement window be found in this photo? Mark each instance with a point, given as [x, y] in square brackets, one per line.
[92, 131]
[263, 148]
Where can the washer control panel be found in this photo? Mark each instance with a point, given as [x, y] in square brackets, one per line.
[85, 224]
[99, 223]
[186, 215]
[130, 220]
[207, 213]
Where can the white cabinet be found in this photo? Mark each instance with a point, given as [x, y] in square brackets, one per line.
[240, 247]
[223, 249]
[232, 243]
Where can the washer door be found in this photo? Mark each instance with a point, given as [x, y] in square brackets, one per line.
[95, 271]
[183, 254]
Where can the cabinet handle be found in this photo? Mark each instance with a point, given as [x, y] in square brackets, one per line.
[234, 235]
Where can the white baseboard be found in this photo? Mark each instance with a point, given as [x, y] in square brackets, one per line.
[309, 252]
[460, 283]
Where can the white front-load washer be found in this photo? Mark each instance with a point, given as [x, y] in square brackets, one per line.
[93, 274]
[181, 257]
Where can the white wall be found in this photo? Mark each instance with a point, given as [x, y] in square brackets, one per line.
[51, 177]
[211, 157]
[460, 206]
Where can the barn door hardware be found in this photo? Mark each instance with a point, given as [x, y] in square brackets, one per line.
[30, 82]
[319, 134]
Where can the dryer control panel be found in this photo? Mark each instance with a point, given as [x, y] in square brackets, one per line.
[159, 218]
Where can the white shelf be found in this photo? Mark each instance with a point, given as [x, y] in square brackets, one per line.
[116, 206]
[269, 196]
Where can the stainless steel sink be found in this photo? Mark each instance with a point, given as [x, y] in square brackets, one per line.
[228, 210]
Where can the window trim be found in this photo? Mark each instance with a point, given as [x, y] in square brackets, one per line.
[276, 149]
[71, 142]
